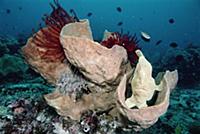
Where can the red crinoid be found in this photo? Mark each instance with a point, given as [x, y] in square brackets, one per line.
[130, 43]
[48, 37]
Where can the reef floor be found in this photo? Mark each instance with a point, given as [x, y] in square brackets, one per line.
[24, 111]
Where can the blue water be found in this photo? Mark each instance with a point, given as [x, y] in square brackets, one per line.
[137, 15]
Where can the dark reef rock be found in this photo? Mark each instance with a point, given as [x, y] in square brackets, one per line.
[12, 67]
[186, 61]
[9, 45]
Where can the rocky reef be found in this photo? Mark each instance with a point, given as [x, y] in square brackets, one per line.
[186, 61]
[13, 68]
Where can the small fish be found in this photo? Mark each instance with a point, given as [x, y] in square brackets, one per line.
[158, 42]
[171, 20]
[8, 11]
[119, 9]
[173, 45]
[145, 36]
[20, 8]
[89, 14]
[33, 31]
[74, 15]
[120, 23]
[71, 10]
[191, 45]
[40, 25]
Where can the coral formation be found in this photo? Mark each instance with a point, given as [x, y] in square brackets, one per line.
[146, 116]
[3, 49]
[51, 71]
[72, 85]
[72, 101]
[11, 65]
[9, 45]
[129, 42]
[91, 60]
[43, 51]
[90, 63]
[77, 29]
[186, 61]
[67, 107]
[89, 122]
[83, 98]
[48, 38]
[13, 68]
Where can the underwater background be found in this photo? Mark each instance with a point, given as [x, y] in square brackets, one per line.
[174, 30]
